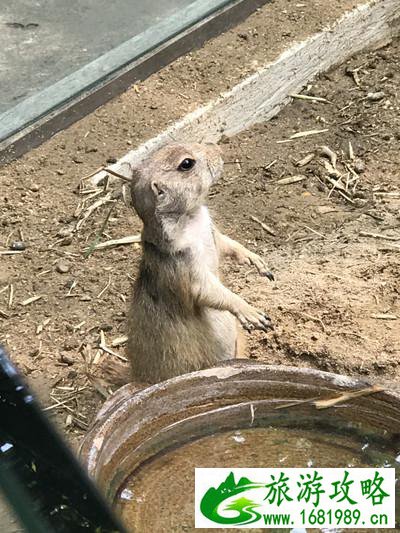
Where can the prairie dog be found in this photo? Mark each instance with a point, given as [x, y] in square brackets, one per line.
[182, 318]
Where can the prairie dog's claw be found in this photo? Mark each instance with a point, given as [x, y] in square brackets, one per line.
[251, 319]
[266, 323]
[260, 266]
[268, 275]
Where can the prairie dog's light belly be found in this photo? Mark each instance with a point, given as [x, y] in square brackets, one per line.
[197, 235]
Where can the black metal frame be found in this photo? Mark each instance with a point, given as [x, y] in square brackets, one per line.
[85, 103]
[43, 482]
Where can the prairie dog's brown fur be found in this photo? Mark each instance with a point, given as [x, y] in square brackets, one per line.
[182, 318]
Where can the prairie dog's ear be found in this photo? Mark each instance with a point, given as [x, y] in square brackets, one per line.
[126, 183]
[126, 197]
[128, 171]
[136, 175]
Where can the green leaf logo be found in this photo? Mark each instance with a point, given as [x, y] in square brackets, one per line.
[211, 503]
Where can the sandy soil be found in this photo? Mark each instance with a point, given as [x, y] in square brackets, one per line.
[335, 300]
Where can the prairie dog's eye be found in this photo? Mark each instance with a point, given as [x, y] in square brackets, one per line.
[186, 164]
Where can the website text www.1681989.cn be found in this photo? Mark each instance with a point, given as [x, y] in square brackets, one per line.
[338, 517]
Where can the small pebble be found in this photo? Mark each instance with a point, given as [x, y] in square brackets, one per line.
[375, 97]
[102, 182]
[360, 194]
[18, 246]
[70, 344]
[34, 187]
[126, 494]
[237, 437]
[67, 359]
[111, 160]
[66, 241]
[64, 232]
[62, 267]
[359, 166]
[66, 219]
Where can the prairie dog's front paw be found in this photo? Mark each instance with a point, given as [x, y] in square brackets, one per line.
[252, 318]
[260, 265]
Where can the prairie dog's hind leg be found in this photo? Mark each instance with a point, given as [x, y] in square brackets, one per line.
[230, 248]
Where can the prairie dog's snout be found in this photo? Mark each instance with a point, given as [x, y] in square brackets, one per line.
[175, 179]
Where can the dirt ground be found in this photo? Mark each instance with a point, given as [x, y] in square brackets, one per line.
[335, 254]
[335, 302]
